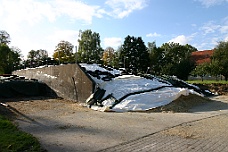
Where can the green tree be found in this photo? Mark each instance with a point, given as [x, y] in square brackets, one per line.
[10, 59]
[156, 58]
[202, 70]
[31, 55]
[220, 59]
[37, 58]
[41, 54]
[4, 37]
[64, 52]
[16, 58]
[134, 55]
[89, 47]
[176, 60]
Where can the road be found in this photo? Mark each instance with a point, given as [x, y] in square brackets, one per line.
[62, 125]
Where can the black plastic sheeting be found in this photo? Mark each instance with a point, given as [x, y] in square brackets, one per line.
[180, 83]
[26, 88]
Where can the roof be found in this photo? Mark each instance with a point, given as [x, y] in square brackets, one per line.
[202, 56]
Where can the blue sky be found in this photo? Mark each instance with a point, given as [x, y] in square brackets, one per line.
[42, 24]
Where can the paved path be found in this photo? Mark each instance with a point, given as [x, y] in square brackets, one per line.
[62, 126]
[183, 138]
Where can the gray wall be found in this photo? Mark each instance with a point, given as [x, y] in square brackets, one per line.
[68, 81]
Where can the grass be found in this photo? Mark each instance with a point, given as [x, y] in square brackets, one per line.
[14, 140]
[208, 82]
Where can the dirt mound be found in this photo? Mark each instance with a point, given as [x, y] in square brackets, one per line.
[221, 89]
[217, 88]
[182, 104]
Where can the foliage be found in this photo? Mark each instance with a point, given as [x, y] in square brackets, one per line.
[176, 59]
[214, 68]
[134, 55]
[220, 59]
[108, 56]
[4, 37]
[9, 59]
[207, 82]
[64, 52]
[89, 47]
[11, 139]
[36, 58]
[156, 58]
[202, 70]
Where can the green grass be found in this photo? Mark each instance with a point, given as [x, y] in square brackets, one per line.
[14, 140]
[208, 81]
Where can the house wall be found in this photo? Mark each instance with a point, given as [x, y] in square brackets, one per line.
[68, 81]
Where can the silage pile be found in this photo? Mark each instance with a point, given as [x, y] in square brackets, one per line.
[116, 92]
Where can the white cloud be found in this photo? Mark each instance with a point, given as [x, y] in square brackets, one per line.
[112, 42]
[122, 8]
[77, 10]
[210, 27]
[29, 21]
[201, 46]
[153, 35]
[226, 38]
[34, 11]
[181, 39]
[224, 29]
[66, 35]
[209, 3]
[31, 12]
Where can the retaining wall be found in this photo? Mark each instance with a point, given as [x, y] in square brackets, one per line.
[68, 81]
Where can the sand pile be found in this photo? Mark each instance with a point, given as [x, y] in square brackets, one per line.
[182, 104]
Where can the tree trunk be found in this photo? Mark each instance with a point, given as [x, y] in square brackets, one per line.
[202, 78]
[226, 77]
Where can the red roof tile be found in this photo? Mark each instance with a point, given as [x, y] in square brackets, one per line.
[200, 57]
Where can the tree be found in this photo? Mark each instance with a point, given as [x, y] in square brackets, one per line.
[41, 54]
[108, 56]
[220, 58]
[64, 52]
[32, 55]
[4, 37]
[156, 58]
[134, 55]
[215, 69]
[16, 58]
[89, 47]
[37, 58]
[176, 60]
[10, 59]
[202, 70]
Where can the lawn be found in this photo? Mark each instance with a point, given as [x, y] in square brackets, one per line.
[208, 82]
[14, 140]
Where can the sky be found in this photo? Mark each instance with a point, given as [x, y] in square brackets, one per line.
[42, 24]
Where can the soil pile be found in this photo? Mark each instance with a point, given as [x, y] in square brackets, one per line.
[217, 88]
[182, 104]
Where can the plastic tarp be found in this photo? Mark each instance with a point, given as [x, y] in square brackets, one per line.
[9, 89]
[146, 101]
[134, 93]
[122, 85]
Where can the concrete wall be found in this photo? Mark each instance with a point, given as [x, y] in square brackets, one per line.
[68, 81]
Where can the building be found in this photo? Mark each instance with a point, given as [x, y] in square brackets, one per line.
[200, 57]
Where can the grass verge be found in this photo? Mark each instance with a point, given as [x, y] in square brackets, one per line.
[208, 82]
[14, 140]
